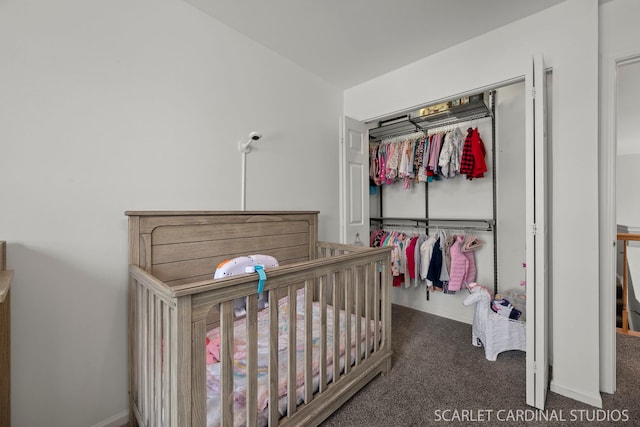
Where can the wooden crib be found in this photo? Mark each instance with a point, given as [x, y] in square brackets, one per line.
[174, 303]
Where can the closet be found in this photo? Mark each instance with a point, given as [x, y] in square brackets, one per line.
[479, 206]
[522, 124]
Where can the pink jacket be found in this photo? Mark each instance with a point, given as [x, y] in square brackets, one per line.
[463, 266]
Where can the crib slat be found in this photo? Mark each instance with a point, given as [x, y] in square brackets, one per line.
[139, 353]
[348, 309]
[367, 309]
[274, 414]
[152, 360]
[252, 360]
[376, 312]
[226, 354]
[183, 366]
[308, 341]
[144, 404]
[157, 352]
[198, 378]
[322, 285]
[291, 374]
[337, 276]
[173, 364]
[166, 386]
[226, 363]
[386, 303]
[385, 309]
[133, 347]
[358, 310]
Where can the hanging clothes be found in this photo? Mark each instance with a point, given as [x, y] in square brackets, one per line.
[478, 151]
[424, 162]
[418, 259]
[449, 160]
[463, 267]
[451, 238]
[419, 158]
[411, 261]
[435, 266]
[466, 161]
[405, 170]
[394, 153]
[472, 162]
[444, 271]
[426, 252]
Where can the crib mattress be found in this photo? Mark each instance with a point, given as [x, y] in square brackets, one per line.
[240, 361]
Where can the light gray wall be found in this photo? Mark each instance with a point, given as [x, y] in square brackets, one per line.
[567, 36]
[127, 105]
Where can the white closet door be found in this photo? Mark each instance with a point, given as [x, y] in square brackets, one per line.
[355, 178]
[536, 241]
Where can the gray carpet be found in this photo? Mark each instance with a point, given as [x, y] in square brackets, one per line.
[439, 378]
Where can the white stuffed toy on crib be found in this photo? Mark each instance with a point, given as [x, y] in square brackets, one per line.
[243, 265]
[495, 332]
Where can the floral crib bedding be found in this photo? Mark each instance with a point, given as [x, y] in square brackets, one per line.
[239, 359]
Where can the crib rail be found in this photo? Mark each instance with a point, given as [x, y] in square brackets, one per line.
[169, 381]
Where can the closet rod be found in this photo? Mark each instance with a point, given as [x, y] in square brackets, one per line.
[487, 224]
[400, 218]
[380, 138]
[412, 126]
[452, 120]
[427, 226]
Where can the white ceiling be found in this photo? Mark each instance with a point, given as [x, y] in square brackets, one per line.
[347, 42]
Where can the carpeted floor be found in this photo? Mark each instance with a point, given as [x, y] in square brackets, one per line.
[439, 378]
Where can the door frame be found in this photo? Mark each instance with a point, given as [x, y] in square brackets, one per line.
[607, 213]
[537, 233]
[342, 186]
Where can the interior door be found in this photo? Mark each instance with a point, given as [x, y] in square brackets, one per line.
[536, 240]
[355, 177]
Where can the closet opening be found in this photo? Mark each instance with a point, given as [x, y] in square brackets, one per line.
[490, 208]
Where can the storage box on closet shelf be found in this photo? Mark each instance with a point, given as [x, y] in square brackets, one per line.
[496, 332]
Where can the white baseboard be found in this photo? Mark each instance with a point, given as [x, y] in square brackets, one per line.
[589, 399]
[117, 420]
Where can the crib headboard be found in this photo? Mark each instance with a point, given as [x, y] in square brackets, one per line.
[181, 247]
